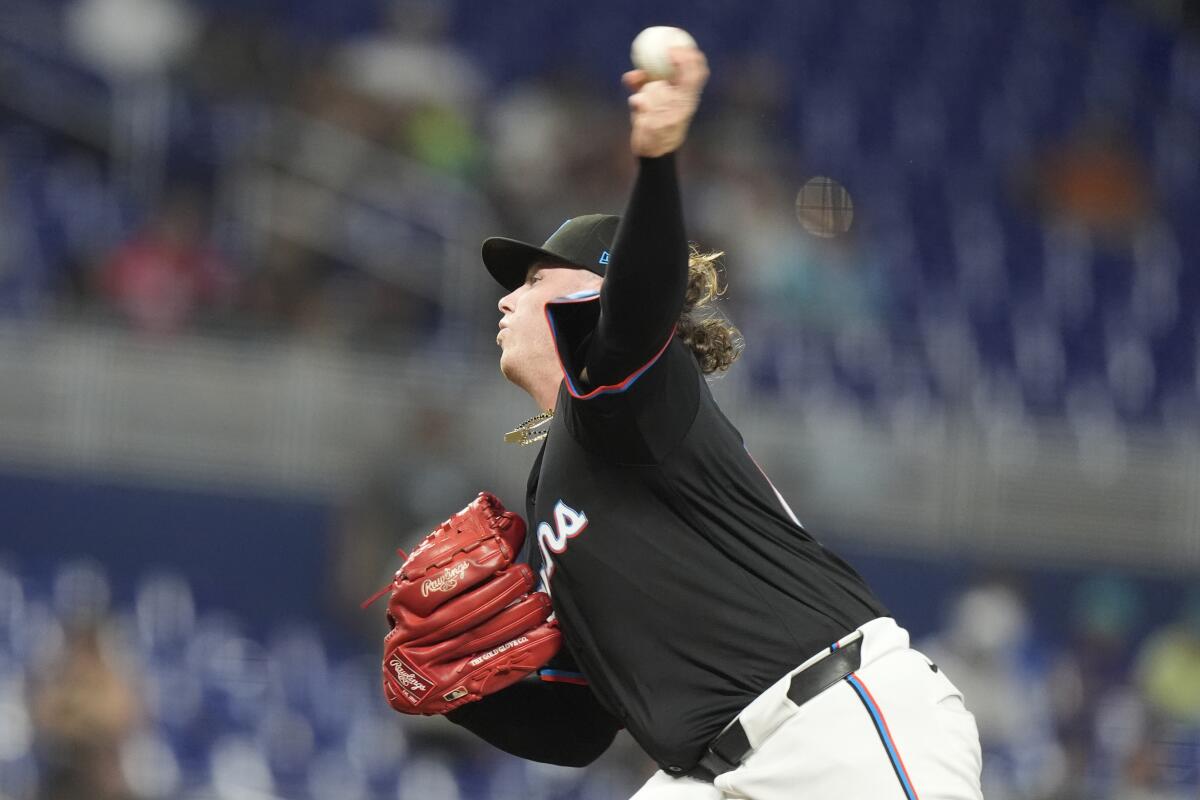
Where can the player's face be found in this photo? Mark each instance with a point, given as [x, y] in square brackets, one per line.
[527, 351]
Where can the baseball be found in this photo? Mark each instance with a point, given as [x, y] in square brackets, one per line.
[650, 51]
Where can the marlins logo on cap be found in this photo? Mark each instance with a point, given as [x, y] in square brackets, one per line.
[581, 242]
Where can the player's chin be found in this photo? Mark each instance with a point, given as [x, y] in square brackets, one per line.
[506, 363]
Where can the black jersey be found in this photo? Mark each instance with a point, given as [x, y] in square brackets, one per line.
[683, 583]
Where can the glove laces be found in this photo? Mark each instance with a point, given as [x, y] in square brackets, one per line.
[370, 601]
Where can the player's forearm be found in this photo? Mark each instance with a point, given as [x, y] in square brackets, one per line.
[554, 723]
[646, 280]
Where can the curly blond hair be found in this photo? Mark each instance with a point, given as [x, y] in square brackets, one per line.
[713, 339]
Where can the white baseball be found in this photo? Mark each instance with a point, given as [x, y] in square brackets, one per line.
[651, 50]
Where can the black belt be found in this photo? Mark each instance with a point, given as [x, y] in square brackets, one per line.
[727, 750]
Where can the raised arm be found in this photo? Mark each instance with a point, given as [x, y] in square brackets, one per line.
[644, 285]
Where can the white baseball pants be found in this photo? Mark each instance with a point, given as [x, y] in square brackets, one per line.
[895, 729]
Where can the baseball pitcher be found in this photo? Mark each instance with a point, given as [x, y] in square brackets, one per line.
[662, 584]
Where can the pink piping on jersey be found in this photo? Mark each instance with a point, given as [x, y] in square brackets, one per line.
[612, 388]
[554, 676]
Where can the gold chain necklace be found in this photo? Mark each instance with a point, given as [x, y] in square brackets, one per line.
[527, 432]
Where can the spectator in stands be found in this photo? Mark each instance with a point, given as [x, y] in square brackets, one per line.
[162, 278]
[84, 707]
[801, 269]
[987, 648]
[1143, 779]
[549, 133]
[1168, 675]
[1168, 666]
[423, 82]
[1099, 719]
[1097, 179]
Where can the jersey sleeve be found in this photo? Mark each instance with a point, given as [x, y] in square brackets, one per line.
[644, 285]
[619, 332]
[614, 345]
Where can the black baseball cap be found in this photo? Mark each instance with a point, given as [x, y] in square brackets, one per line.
[581, 242]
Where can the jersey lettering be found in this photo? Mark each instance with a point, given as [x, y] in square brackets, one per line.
[568, 523]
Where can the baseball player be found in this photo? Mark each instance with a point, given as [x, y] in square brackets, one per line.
[690, 607]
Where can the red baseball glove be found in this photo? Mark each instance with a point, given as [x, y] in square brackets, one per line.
[465, 621]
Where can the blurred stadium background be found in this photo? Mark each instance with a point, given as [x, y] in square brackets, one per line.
[246, 351]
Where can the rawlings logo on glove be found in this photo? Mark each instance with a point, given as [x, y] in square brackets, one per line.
[445, 582]
[415, 687]
[465, 621]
